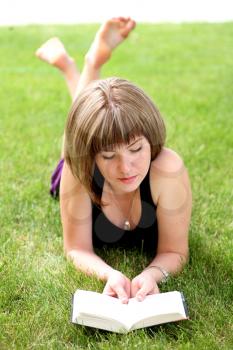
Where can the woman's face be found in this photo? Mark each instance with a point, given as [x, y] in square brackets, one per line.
[125, 166]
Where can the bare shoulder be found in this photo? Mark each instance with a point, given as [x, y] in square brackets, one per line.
[69, 184]
[165, 172]
[168, 161]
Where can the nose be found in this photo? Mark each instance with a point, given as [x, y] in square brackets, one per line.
[124, 166]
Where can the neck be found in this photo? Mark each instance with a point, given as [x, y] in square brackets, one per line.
[120, 195]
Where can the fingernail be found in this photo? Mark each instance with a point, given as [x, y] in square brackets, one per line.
[139, 297]
[124, 300]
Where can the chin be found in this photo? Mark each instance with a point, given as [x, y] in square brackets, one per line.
[130, 187]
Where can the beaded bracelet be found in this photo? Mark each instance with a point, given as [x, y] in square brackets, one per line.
[164, 272]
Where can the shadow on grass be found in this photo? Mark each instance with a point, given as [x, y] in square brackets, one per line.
[207, 285]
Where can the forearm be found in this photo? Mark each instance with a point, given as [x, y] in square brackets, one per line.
[171, 262]
[90, 263]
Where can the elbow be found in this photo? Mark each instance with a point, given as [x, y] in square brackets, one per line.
[69, 253]
[184, 258]
[182, 261]
[74, 253]
[66, 249]
[69, 248]
[74, 256]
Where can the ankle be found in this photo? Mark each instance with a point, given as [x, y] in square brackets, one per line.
[69, 68]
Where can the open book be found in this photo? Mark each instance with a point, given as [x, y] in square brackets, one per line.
[102, 311]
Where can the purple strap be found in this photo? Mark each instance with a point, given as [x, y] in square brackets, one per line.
[55, 179]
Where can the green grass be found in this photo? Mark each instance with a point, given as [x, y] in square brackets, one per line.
[188, 71]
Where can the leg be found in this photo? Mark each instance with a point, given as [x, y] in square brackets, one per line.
[108, 37]
[54, 53]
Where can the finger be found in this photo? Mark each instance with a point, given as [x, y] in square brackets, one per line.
[128, 288]
[156, 289]
[122, 295]
[111, 294]
[108, 291]
[134, 289]
[143, 291]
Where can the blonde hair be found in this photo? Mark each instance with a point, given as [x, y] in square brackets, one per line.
[107, 113]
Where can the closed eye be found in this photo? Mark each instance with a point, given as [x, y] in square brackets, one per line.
[132, 150]
[107, 157]
[136, 150]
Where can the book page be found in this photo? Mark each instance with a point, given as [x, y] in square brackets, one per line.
[163, 307]
[102, 311]
[100, 306]
[101, 323]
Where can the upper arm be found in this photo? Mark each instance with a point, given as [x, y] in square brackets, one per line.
[76, 213]
[171, 191]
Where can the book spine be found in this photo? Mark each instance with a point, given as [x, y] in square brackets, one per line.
[185, 305]
[72, 309]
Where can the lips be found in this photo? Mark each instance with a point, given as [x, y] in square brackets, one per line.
[128, 180]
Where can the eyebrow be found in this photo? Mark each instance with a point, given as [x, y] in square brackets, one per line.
[131, 144]
[134, 142]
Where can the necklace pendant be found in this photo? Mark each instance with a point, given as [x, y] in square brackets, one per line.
[127, 225]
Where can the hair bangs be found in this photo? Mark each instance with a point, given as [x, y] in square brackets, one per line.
[107, 114]
[116, 127]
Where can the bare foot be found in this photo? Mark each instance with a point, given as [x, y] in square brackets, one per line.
[54, 53]
[109, 36]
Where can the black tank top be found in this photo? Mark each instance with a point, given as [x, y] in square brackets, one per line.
[144, 236]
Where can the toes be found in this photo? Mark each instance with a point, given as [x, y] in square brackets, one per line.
[131, 24]
[128, 27]
[39, 52]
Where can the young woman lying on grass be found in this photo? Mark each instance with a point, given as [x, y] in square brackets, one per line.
[118, 184]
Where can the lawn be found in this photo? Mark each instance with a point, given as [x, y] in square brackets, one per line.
[188, 70]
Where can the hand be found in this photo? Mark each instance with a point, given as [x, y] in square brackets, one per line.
[118, 285]
[142, 285]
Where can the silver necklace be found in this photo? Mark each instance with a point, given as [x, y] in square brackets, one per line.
[126, 224]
